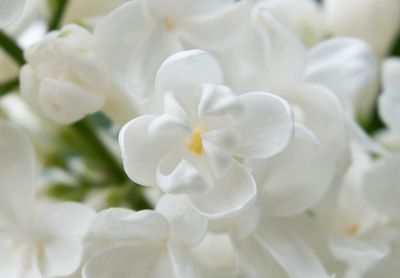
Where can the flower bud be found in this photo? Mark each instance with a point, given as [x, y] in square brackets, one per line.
[64, 79]
[375, 21]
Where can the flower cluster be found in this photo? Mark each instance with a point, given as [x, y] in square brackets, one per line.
[200, 138]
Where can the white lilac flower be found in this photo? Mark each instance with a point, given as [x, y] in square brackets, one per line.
[197, 144]
[65, 81]
[10, 10]
[358, 236]
[37, 239]
[139, 35]
[376, 22]
[162, 243]
[284, 65]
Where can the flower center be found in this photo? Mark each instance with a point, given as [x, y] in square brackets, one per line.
[195, 143]
[169, 23]
[352, 230]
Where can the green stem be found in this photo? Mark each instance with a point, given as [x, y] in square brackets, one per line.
[11, 48]
[9, 86]
[58, 14]
[84, 136]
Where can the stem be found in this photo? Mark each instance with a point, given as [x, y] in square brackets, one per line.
[85, 138]
[9, 86]
[57, 15]
[11, 47]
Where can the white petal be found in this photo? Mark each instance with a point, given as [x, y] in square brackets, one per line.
[186, 71]
[296, 258]
[176, 175]
[168, 8]
[140, 153]
[128, 260]
[167, 126]
[217, 255]
[220, 159]
[121, 33]
[295, 179]
[286, 54]
[227, 138]
[389, 100]
[61, 228]
[17, 174]
[143, 66]
[10, 10]
[350, 61]
[382, 188]
[65, 102]
[360, 254]
[390, 73]
[29, 87]
[209, 30]
[186, 223]
[116, 225]
[182, 261]
[266, 126]
[231, 195]
[218, 101]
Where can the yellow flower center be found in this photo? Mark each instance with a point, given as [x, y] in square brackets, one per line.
[195, 143]
[169, 23]
[352, 230]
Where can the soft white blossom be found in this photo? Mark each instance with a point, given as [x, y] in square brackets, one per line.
[38, 239]
[196, 145]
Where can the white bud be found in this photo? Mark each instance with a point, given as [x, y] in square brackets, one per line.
[375, 21]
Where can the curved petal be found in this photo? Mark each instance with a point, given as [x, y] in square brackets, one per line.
[17, 174]
[286, 54]
[209, 30]
[186, 223]
[218, 101]
[10, 10]
[231, 195]
[129, 260]
[119, 35]
[361, 255]
[61, 228]
[186, 71]
[142, 68]
[266, 126]
[350, 61]
[292, 253]
[65, 102]
[324, 116]
[217, 255]
[178, 175]
[295, 179]
[382, 187]
[141, 153]
[117, 226]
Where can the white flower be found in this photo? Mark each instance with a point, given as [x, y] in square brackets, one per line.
[357, 236]
[37, 239]
[196, 145]
[10, 10]
[139, 35]
[65, 80]
[160, 243]
[376, 22]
